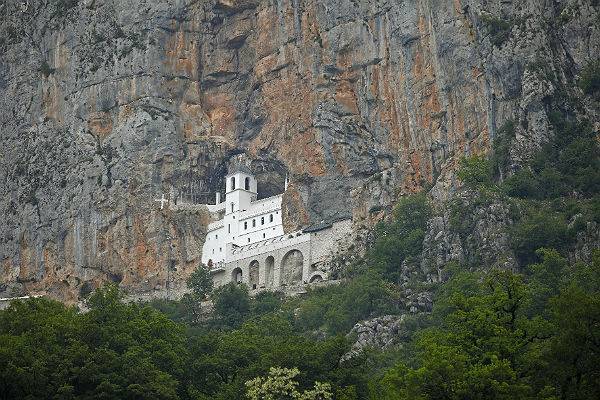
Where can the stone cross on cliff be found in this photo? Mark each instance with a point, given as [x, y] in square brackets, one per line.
[162, 201]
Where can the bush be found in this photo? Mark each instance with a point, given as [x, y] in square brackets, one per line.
[539, 230]
[337, 308]
[568, 164]
[522, 184]
[499, 160]
[475, 171]
[266, 302]
[499, 29]
[589, 80]
[401, 238]
[45, 69]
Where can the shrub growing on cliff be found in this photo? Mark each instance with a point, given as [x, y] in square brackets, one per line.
[589, 80]
[402, 238]
[568, 164]
[499, 160]
[498, 29]
[475, 171]
[539, 229]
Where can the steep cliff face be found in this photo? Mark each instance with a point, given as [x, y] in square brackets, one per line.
[107, 104]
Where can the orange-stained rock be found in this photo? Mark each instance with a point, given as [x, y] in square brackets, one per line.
[360, 102]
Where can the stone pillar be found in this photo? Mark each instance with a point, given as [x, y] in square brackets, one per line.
[277, 269]
[307, 260]
[262, 270]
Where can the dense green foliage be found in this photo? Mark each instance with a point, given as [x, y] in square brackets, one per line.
[494, 335]
[510, 336]
[113, 351]
[400, 239]
[337, 309]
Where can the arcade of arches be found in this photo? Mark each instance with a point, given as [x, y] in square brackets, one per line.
[290, 271]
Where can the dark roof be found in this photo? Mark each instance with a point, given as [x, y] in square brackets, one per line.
[317, 227]
[323, 225]
[240, 168]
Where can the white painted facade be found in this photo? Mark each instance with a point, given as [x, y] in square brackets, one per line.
[246, 242]
[241, 219]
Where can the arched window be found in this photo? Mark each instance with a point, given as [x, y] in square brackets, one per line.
[232, 182]
[247, 184]
[271, 218]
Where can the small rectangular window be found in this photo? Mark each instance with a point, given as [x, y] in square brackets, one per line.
[228, 228]
[271, 218]
[264, 235]
[246, 225]
[253, 223]
[262, 220]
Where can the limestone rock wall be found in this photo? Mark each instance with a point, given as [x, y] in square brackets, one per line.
[107, 104]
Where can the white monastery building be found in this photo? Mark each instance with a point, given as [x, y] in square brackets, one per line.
[246, 241]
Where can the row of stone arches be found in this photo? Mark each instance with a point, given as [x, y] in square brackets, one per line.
[263, 275]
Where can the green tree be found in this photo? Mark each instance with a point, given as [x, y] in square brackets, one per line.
[336, 309]
[231, 304]
[266, 302]
[539, 229]
[200, 282]
[115, 350]
[573, 354]
[479, 350]
[279, 384]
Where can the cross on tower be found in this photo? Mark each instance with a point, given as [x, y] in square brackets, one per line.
[162, 201]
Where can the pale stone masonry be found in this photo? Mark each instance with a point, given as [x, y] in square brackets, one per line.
[246, 241]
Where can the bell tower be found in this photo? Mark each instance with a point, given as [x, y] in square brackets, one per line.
[240, 191]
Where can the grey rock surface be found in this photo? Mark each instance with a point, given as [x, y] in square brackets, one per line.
[376, 333]
[107, 104]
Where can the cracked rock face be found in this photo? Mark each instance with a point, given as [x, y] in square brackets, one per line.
[377, 333]
[107, 104]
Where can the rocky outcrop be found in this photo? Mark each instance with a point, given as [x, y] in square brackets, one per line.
[588, 241]
[377, 333]
[107, 104]
[473, 230]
